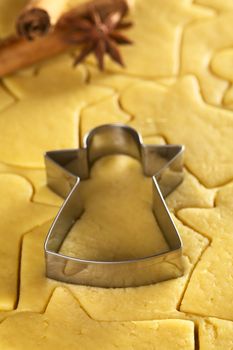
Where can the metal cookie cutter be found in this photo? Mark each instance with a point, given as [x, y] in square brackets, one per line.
[65, 170]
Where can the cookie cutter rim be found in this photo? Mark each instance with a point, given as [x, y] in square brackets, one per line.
[122, 139]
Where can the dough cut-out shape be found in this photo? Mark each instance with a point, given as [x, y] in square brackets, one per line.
[156, 51]
[178, 113]
[18, 216]
[201, 41]
[47, 115]
[27, 331]
[216, 265]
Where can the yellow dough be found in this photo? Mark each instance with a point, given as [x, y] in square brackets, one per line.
[157, 37]
[215, 334]
[190, 194]
[176, 88]
[78, 331]
[108, 229]
[6, 99]
[18, 216]
[106, 111]
[216, 265]
[45, 123]
[132, 303]
[117, 81]
[201, 40]
[179, 113]
[222, 66]
[217, 4]
[37, 177]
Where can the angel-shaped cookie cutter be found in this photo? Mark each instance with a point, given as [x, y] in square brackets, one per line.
[65, 170]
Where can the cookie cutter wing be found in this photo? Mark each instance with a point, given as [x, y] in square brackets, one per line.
[66, 168]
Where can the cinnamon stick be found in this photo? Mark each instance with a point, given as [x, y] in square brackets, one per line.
[38, 16]
[17, 52]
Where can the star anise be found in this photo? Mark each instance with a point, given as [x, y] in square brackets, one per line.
[100, 36]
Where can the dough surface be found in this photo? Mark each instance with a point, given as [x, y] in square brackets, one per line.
[176, 88]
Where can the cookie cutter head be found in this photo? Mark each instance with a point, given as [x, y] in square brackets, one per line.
[66, 168]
